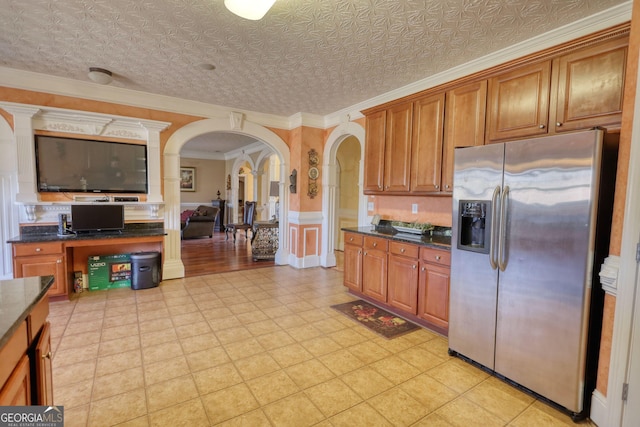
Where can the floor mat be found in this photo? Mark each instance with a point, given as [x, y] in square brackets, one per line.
[376, 319]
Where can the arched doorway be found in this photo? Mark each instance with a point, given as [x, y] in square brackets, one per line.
[330, 191]
[173, 267]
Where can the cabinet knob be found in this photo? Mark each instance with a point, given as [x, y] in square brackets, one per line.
[365, 254]
[437, 187]
[541, 126]
[414, 266]
[38, 249]
[437, 257]
[379, 187]
[375, 244]
[402, 250]
[351, 239]
[423, 269]
[47, 356]
[59, 261]
[558, 124]
[446, 186]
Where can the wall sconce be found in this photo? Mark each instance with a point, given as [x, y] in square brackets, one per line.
[218, 194]
[293, 178]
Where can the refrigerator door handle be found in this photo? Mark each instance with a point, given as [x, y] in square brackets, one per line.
[502, 239]
[493, 260]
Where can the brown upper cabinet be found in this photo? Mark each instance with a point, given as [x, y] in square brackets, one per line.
[410, 143]
[426, 146]
[375, 128]
[578, 90]
[388, 150]
[409, 147]
[518, 103]
[464, 119]
[588, 86]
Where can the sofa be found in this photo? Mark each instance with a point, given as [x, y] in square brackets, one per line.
[200, 222]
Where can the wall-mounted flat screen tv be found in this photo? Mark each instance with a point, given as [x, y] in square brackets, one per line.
[98, 217]
[88, 166]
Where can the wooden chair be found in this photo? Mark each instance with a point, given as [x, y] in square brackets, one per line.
[249, 217]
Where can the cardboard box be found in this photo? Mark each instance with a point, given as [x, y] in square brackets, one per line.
[109, 272]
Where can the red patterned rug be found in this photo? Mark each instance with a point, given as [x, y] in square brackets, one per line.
[376, 319]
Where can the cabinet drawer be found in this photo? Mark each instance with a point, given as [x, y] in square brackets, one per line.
[29, 249]
[353, 239]
[378, 243]
[404, 249]
[37, 317]
[435, 256]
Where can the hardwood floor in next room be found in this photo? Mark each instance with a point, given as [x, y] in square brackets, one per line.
[218, 255]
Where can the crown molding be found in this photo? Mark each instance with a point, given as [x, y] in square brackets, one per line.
[601, 21]
[27, 80]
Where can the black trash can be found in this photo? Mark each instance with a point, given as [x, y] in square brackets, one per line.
[145, 270]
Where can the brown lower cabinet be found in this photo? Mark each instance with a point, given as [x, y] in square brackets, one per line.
[410, 279]
[433, 286]
[374, 268]
[26, 370]
[402, 281]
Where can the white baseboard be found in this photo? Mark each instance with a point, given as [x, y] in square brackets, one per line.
[172, 270]
[598, 413]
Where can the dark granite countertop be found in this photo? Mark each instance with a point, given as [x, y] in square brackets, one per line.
[439, 239]
[35, 234]
[54, 237]
[17, 299]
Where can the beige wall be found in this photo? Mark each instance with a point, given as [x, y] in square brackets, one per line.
[348, 157]
[210, 177]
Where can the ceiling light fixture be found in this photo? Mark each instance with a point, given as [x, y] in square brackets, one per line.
[100, 75]
[249, 9]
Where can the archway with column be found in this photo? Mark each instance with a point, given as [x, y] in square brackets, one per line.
[329, 188]
[173, 267]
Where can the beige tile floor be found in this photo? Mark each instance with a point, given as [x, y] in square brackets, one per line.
[262, 348]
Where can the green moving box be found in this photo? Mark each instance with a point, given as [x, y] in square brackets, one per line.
[109, 272]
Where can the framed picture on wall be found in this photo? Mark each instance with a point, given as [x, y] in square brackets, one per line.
[187, 179]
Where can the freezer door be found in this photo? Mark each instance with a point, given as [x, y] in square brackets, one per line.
[473, 286]
[544, 290]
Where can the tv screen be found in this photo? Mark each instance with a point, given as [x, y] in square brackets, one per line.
[88, 166]
[100, 217]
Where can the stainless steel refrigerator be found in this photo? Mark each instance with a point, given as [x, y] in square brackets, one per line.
[531, 224]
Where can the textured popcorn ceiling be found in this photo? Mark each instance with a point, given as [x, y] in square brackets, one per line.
[311, 56]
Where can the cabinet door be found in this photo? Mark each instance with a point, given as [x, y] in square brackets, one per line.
[465, 112]
[426, 145]
[397, 157]
[433, 294]
[45, 265]
[518, 102]
[43, 383]
[17, 389]
[403, 283]
[374, 274]
[588, 86]
[376, 124]
[353, 267]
